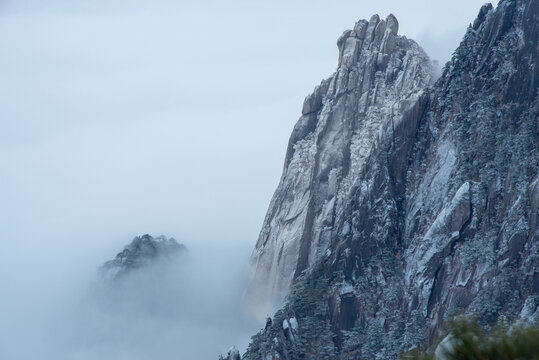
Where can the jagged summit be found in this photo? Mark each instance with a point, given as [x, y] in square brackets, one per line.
[375, 34]
[379, 78]
[139, 253]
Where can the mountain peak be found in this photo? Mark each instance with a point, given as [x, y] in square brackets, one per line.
[375, 35]
[139, 253]
[380, 77]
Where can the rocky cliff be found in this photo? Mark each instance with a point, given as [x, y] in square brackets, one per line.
[435, 214]
[380, 77]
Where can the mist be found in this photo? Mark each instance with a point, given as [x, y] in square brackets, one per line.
[120, 118]
[187, 306]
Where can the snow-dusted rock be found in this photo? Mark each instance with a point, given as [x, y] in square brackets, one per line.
[233, 354]
[392, 24]
[290, 328]
[338, 129]
[424, 200]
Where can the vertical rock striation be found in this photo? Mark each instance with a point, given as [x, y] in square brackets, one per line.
[380, 77]
[440, 216]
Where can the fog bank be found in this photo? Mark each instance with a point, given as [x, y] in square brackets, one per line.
[185, 307]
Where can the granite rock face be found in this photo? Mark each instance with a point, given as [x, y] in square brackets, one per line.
[141, 252]
[441, 216]
[380, 78]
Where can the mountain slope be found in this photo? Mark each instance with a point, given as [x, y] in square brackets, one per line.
[379, 78]
[443, 215]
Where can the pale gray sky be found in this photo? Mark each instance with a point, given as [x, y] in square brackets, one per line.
[119, 118]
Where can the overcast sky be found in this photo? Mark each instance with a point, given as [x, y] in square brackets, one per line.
[123, 117]
[126, 117]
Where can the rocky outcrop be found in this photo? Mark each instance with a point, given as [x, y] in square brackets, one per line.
[232, 354]
[379, 79]
[142, 251]
[441, 217]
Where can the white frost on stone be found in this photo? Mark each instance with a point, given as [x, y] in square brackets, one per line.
[286, 325]
[437, 238]
[346, 288]
[294, 323]
[341, 124]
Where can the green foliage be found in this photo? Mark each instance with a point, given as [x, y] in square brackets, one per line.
[467, 340]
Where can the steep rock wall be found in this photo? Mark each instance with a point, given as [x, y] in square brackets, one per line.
[379, 77]
[442, 219]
